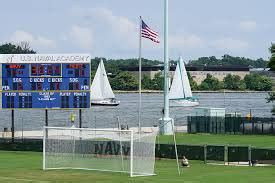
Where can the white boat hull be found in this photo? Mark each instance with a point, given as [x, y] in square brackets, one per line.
[183, 103]
[105, 102]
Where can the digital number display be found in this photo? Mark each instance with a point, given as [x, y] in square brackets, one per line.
[45, 70]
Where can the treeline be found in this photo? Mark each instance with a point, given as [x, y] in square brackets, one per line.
[228, 61]
[255, 82]
[121, 80]
[114, 65]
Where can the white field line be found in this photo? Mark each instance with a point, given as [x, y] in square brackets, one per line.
[23, 180]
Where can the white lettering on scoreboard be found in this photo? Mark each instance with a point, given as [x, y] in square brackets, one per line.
[45, 58]
[46, 96]
[36, 80]
[55, 80]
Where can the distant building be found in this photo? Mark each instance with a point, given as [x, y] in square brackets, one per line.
[198, 74]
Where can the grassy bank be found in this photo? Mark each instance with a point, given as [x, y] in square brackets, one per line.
[222, 139]
[26, 167]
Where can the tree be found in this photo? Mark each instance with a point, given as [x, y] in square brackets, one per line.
[146, 82]
[271, 98]
[124, 81]
[258, 82]
[158, 82]
[21, 48]
[271, 63]
[193, 84]
[210, 83]
[233, 82]
[264, 84]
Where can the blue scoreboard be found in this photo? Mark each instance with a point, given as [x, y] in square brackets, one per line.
[45, 81]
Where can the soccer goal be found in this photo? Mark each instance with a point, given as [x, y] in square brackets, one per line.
[99, 149]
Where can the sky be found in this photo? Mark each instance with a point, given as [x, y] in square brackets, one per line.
[110, 28]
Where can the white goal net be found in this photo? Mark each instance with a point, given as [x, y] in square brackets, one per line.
[95, 149]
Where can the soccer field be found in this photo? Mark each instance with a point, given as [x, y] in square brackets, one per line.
[27, 167]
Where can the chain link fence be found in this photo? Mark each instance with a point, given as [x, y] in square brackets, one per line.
[231, 125]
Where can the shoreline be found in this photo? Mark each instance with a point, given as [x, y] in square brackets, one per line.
[220, 91]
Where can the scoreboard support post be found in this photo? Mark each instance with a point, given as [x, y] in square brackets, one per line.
[12, 125]
[46, 117]
[80, 118]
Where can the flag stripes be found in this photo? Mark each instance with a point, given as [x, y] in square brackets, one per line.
[148, 33]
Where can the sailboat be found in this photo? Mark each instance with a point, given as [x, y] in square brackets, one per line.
[101, 91]
[180, 93]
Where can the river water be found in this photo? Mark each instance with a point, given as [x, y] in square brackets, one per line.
[127, 112]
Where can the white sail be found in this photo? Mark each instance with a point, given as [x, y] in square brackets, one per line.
[180, 87]
[185, 80]
[176, 90]
[101, 88]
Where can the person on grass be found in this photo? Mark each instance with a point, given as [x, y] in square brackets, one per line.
[184, 162]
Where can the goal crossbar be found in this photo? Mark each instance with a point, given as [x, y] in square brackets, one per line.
[86, 129]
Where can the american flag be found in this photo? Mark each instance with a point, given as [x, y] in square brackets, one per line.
[148, 33]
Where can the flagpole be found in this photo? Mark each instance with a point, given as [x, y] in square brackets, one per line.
[139, 87]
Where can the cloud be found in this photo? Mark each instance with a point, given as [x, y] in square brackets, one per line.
[120, 29]
[42, 41]
[110, 29]
[35, 41]
[229, 44]
[81, 37]
[186, 41]
[121, 25]
[19, 36]
[248, 26]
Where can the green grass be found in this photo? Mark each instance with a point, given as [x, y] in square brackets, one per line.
[26, 167]
[222, 139]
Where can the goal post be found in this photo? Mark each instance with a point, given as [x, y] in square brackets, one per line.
[99, 149]
[215, 154]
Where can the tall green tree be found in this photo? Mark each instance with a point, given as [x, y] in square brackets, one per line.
[158, 82]
[193, 83]
[271, 63]
[124, 81]
[271, 98]
[258, 82]
[153, 84]
[210, 83]
[146, 82]
[21, 48]
[233, 82]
